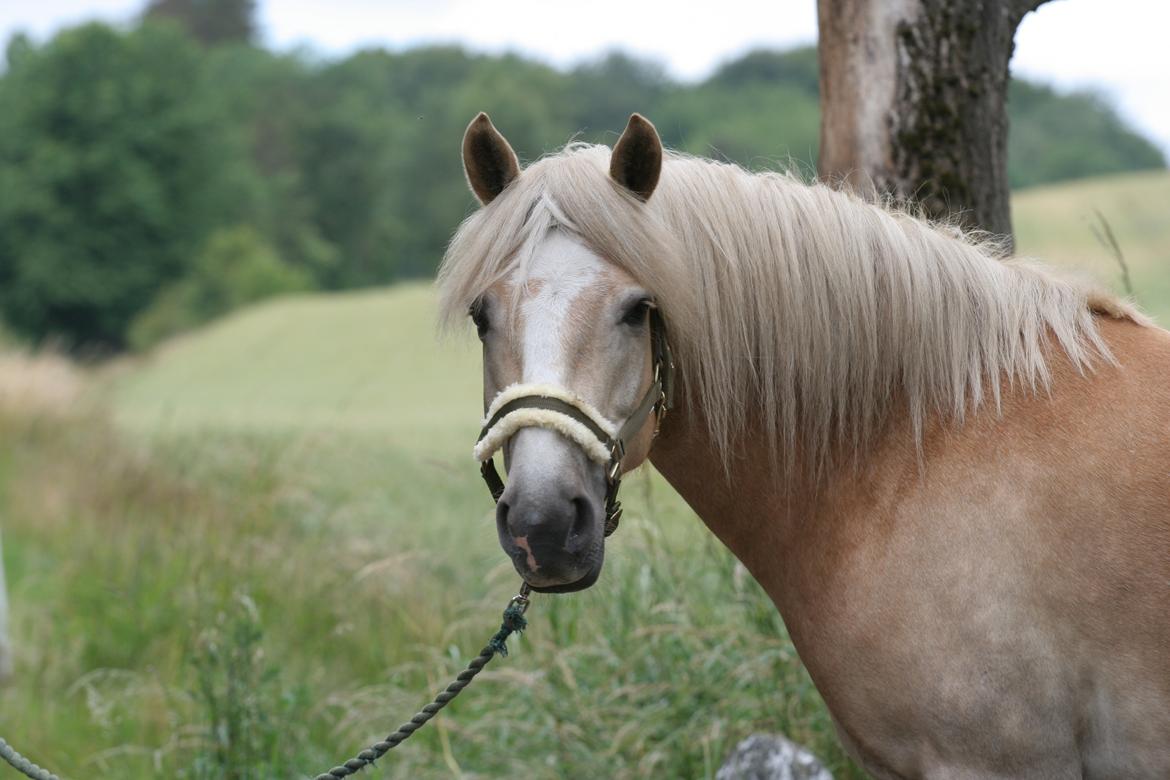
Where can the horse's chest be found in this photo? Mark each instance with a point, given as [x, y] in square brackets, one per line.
[950, 668]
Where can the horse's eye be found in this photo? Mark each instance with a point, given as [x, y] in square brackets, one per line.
[636, 314]
[478, 313]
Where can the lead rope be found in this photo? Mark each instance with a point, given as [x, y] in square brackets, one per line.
[513, 622]
[23, 765]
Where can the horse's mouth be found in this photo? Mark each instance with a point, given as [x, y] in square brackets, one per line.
[572, 587]
[559, 570]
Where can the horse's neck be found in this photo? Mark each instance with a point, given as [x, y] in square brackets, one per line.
[785, 530]
[745, 505]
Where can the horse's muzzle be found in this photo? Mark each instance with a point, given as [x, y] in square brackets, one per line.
[555, 542]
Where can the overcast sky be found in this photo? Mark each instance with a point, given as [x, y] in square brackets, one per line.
[1119, 47]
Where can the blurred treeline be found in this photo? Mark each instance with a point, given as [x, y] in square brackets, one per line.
[154, 177]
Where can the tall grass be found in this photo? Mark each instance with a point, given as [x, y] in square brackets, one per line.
[263, 606]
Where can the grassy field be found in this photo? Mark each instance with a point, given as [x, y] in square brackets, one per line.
[1060, 225]
[348, 363]
[196, 601]
[260, 548]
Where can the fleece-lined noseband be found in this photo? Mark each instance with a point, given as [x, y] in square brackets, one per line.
[547, 406]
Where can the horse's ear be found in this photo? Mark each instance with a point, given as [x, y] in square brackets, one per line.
[488, 159]
[637, 158]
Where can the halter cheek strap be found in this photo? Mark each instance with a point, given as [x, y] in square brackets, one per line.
[557, 409]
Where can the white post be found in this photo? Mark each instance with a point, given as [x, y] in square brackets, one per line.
[5, 647]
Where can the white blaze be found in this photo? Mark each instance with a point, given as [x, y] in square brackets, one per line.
[563, 269]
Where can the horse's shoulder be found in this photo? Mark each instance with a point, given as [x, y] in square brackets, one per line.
[1140, 378]
[1146, 343]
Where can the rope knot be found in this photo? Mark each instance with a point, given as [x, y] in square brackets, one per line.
[514, 623]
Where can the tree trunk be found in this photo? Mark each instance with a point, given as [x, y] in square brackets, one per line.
[913, 102]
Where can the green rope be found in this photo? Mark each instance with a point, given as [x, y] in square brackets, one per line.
[513, 622]
[23, 765]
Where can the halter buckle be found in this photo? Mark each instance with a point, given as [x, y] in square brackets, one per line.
[521, 600]
[616, 454]
[662, 405]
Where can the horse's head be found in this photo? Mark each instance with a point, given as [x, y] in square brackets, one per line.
[571, 343]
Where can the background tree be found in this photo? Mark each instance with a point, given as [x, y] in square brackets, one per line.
[111, 172]
[913, 100]
[210, 22]
[236, 267]
[1058, 136]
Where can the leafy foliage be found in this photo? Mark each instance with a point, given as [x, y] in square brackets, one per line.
[729, 125]
[209, 21]
[110, 172]
[123, 153]
[236, 267]
[796, 68]
[1057, 136]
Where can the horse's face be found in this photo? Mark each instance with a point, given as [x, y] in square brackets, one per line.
[574, 322]
[580, 324]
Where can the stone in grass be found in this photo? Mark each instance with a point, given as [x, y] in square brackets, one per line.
[771, 757]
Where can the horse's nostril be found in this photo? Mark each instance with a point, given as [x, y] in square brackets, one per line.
[502, 516]
[581, 517]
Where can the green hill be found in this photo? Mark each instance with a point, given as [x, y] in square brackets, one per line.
[366, 361]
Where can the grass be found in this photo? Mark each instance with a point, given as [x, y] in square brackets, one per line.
[181, 606]
[1058, 224]
[353, 362]
[263, 547]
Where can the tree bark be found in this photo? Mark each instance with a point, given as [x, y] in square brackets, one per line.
[913, 103]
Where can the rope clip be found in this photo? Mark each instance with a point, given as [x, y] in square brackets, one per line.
[521, 600]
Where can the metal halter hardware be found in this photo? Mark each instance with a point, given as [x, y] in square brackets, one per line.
[658, 399]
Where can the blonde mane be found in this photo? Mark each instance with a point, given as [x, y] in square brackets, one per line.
[793, 307]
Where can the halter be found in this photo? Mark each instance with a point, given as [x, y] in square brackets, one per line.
[545, 406]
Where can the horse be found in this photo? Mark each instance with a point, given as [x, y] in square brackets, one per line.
[949, 469]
